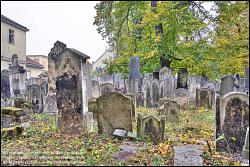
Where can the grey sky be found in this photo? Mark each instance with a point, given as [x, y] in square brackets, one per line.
[70, 22]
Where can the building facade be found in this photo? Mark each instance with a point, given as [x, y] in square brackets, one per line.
[33, 68]
[13, 41]
[41, 59]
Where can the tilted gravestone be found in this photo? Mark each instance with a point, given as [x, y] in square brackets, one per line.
[227, 84]
[182, 78]
[151, 127]
[139, 99]
[204, 98]
[171, 109]
[106, 87]
[5, 84]
[114, 111]
[234, 120]
[155, 94]
[70, 79]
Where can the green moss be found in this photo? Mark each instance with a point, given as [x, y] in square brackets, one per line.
[12, 111]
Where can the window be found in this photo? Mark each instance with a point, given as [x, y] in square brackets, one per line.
[11, 36]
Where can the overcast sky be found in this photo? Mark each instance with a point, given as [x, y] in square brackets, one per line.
[49, 21]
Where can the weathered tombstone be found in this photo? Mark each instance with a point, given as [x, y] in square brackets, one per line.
[134, 73]
[35, 96]
[171, 109]
[227, 84]
[155, 94]
[133, 86]
[182, 97]
[151, 127]
[69, 81]
[182, 78]
[246, 84]
[50, 104]
[166, 83]
[194, 82]
[95, 89]
[147, 95]
[114, 111]
[106, 87]
[5, 84]
[234, 120]
[139, 99]
[204, 98]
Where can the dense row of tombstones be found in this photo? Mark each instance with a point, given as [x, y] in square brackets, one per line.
[68, 91]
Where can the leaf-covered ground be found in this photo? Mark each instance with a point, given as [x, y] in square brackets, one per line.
[42, 144]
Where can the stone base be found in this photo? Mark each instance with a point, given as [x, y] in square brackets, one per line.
[89, 121]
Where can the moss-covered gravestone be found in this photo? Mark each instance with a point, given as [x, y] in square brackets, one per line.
[151, 127]
[114, 111]
[234, 120]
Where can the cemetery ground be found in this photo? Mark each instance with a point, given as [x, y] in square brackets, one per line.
[42, 144]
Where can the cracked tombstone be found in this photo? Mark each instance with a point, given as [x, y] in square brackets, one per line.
[151, 127]
[171, 109]
[234, 120]
[69, 81]
[114, 111]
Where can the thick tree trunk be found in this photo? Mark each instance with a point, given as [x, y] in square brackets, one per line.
[159, 31]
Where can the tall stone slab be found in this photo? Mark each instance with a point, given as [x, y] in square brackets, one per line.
[182, 78]
[155, 93]
[69, 82]
[134, 68]
[234, 120]
[227, 85]
[166, 83]
[217, 116]
[194, 82]
[114, 111]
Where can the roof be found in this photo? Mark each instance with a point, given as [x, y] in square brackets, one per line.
[37, 56]
[84, 56]
[32, 63]
[13, 23]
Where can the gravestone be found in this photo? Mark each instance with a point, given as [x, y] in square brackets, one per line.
[106, 79]
[217, 116]
[204, 98]
[147, 95]
[171, 109]
[234, 120]
[246, 83]
[134, 72]
[95, 89]
[151, 127]
[35, 96]
[139, 99]
[246, 145]
[50, 104]
[106, 87]
[204, 81]
[5, 84]
[182, 78]
[227, 84]
[114, 111]
[155, 94]
[68, 72]
[166, 83]
[194, 82]
[133, 87]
